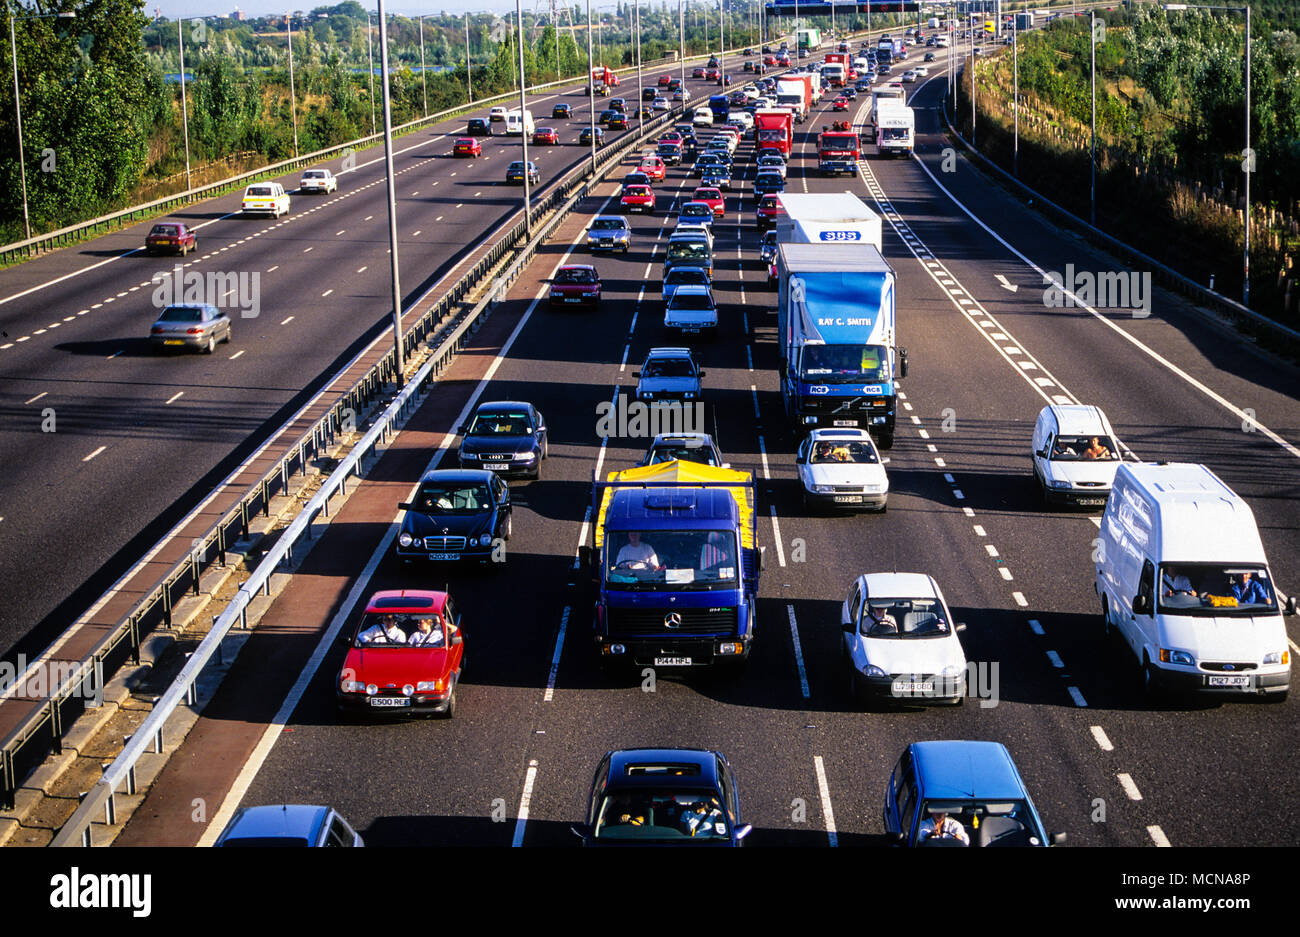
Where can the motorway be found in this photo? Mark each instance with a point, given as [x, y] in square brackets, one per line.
[104, 446]
[536, 713]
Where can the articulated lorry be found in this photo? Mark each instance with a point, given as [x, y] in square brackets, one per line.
[774, 130]
[836, 332]
[675, 565]
[895, 129]
[810, 39]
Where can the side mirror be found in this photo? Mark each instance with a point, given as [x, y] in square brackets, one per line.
[584, 556]
[463, 428]
[743, 831]
[1041, 453]
[1055, 839]
[848, 627]
[344, 638]
[405, 506]
[702, 373]
[886, 460]
[456, 638]
[636, 374]
[960, 626]
[1141, 605]
[727, 465]
[902, 362]
[580, 830]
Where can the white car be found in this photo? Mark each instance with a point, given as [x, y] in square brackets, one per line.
[921, 71]
[842, 468]
[691, 309]
[498, 114]
[909, 75]
[265, 198]
[772, 162]
[318, 180]
[899, 641]
[744, 119]
[691, 227]
[703, 117]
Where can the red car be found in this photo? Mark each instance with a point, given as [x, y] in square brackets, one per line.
[769, 209]
[769, 60]
[665, 80]
[546, 135]
[576, 285]
[654, 167]
[712, 74]
[672, 136]
[467, 146]
[697, 72]
[171, 236]
[404, 656]
[638, 198]
[840, 104]
[713, 196]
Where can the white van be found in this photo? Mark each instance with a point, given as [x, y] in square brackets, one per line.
[517, 123]
[265, 198]
[703, 117]
[1182, 577]
[1068, 468]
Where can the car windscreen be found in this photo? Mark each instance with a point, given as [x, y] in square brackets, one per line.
[686, 276]
[696, 210]
[682, 453]
[668, 367]
[688, 251]
[827, 451]
[607, 224]
[501, 424]
[400, 630]
[894, 133]
[453, 498]
[313, 174]
[579, 275]
[648, 815]
[684, 300]
[845, 364]
[1216, 590]
[904, 618]
[262, 842]
[516, 166]
[1084, 449]
[1005, 823]
[769, 238]
[181, 314]
[637, 191]
[770, 179]
[685, 559]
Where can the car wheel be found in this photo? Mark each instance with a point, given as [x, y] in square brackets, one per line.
[450, 711]
[229, 335]
[1150, 680]
[211, 346]
[505, 531]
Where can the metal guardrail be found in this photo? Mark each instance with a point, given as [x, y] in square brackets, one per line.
[73, 233]
[90, 674]
[1168, 277]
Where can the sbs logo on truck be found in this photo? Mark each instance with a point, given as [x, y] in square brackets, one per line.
[840, 235]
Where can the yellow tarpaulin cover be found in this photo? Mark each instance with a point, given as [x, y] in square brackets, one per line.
[679, 471]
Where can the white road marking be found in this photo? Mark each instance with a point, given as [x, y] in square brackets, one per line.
[236, 354]
[287, 321]
[825, 791]
[1130, 788]
[1158, 836]
[762, 450]
[36, 398]
[273, 269]
[418, 233]
[798, 652]
[991, 549]
[524, 801]
[326, 293]
[1020, 599]
[1004, 573]
[1103, 742]
[95, 453]
[110, 357]
[555, 658]
[310, 249]
[175, 397]
[364, 269]
[979, 531]
[958, 494]
[1077, 697]
[1055, 658]
[776, 536]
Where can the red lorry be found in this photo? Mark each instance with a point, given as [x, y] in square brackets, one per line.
[601, 73]
[837, 151]
[774, 130]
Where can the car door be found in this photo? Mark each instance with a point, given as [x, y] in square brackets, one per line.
[597, 789]
[801, 462]
[1142, 626]
[455, 640]
[539, 424]
[501, 495]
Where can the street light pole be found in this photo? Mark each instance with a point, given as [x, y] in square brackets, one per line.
[469, 88]
[1092, 184]
[424, 82]
[370, 51]
[722, 53]
[1249, 166]
[18, 114]
[523, 126]
[591, 90]
[293, 100]
[185, 112]
[971, 20]
[392, 197]
[1015, 95]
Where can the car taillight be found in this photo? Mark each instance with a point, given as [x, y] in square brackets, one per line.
[157, 330]
[193, 331]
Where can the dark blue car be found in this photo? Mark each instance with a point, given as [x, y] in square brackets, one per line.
[970, 790]
[457, 514]
[505, 437]
[663, 797]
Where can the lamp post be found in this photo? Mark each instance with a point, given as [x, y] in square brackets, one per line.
[18, 114]
[1015, 95]
[1092, 162]
[392, 195]
[185, 110]
[1248, 157]
[591, 90]
[722, 50]
[523, 126]
[640, 96]
[370, 52]
[293, 100]
[681, 48]
[424, 83]
[469, 89]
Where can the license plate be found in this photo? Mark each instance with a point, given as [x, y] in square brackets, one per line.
[606, 243]
[496, 466]
[672, 662]
[1230, 681]
[444, 556]
[389, 702]
[847, 499]
[903, 688]
[686, 329]
[572, 299]
[1091, 502]
[845, 423]
[173, 341]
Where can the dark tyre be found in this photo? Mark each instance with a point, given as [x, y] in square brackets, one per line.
[211, 346]
[1151, 688]
[450, 711]
[505, 531]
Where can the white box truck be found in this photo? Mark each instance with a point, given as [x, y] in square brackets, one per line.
[827, 218]
[895, 129]
[887, 93]
[1182, 578]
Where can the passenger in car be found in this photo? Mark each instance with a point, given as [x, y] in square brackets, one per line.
[426, 633]
[1096, 450]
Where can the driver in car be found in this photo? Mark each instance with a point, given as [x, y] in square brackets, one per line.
[385, 631]
[637, 555]
[941, 826]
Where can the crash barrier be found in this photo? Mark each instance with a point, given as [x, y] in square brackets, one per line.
[41, 729]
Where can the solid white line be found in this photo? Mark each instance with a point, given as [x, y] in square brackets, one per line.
[95, 453]
[776, 535]
[36, 398]
[762, 450]
[1020, 599]
[1035, 626]
[1077, 697]
[237, 354]
[798, 652]
[1158, 836]
[825, 791]
[555, 658]
[1103, 742]
[176, 396]
[524, 801]
[1130, 788]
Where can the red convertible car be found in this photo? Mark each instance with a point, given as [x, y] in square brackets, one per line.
[467, 146]
[171, 236]
[405, 655]
[713, 196]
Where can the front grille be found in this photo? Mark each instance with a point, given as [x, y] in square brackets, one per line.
[1090, 484]
[638, 621]
[844, 405]
[444, 544]
[495, 456]
[1226, 666]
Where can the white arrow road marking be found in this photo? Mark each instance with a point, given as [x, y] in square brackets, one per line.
[1005, 285]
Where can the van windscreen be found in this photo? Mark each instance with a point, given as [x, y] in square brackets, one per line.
[1213, 589]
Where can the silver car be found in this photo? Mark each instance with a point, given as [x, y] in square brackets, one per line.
[195, 325]
[609, 232]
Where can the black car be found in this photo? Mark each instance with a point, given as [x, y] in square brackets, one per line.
[768, 182]
[515, 172]
[849, 92]
[649, 94]
[664, 797]
[584, 138]
[478, 127]
[618, 104]
[506, 438]
[636, 177]
[617, 121]
[670, 152]
[457, 514]
[562, 112]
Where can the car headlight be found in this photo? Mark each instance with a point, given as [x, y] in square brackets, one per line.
[1278, 657]
[874, 489]
[1058, 483]
[645, 395]
[429, 686]
[823, 489]
[810, 419]
[525, 456]
[1170, 656]
[352, 686]
[408, 690]
[688, 395]
[484, 539]
[952, 670]
[405, 540]
[874, 671]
